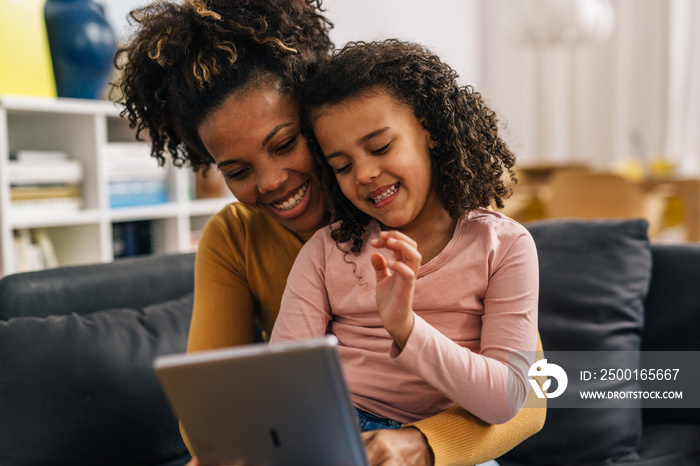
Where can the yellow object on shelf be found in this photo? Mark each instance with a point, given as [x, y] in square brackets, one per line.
[631, 169]
[660, 167]
[25, 58]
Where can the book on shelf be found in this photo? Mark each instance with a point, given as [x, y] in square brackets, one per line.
[48, 253]
[46, 171]
[39, 207]
[131, 193]
[130, 157]
[46, 191]
[135, 238]
[43, 182]
[135, 178]
[37, 200]
[25, 155]
[34, 250]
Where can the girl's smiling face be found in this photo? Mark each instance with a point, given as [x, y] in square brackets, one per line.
[380, 153]
[255, 139]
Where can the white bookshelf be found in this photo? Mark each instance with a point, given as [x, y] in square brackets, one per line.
[88, 130]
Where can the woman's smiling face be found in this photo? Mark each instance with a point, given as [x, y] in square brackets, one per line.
[255, 139]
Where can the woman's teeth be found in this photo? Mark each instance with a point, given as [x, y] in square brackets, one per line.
[293, 200]
[385, 194]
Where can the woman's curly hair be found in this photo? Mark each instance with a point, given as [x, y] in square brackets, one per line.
[185, 58]
[469, 159]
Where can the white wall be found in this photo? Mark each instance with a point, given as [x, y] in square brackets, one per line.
[450, 28]
[117, 12]
[600, 103]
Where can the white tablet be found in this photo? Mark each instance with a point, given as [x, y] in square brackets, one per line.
[265, 404]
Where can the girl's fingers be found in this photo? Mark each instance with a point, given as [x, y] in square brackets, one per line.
[385, 268]
[381, 267]
[378, 261]
[377, 243]
[402, 270]
[404, 252]
[397, 235]
[387, 237]
[402, 247]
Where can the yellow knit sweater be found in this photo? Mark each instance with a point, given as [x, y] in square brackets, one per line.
[241, 270]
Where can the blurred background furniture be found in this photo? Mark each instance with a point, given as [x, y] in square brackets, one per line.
[589, 195]
[670, 203]
[686, 199]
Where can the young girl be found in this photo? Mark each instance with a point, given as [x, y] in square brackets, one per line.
[433, 297]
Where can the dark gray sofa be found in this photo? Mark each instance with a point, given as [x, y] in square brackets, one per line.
[77, 343]
[76, 348]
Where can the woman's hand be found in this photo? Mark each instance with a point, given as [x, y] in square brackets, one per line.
[389, 447]
[396, 282]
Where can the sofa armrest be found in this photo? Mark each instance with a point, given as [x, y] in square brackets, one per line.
[81, 289]
[672, 307]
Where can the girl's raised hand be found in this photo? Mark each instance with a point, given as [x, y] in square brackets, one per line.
[396, 282]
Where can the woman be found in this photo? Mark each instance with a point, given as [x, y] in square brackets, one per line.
[210, 82]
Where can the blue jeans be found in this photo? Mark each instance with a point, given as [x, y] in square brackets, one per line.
[371, 422]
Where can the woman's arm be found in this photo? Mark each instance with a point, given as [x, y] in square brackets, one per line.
[243, 260]
[458, 437]
[224, 310]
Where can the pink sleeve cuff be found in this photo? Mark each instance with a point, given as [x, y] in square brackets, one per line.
[415, 342]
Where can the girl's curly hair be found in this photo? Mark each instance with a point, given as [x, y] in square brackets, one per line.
[185, 58]
[469, 159]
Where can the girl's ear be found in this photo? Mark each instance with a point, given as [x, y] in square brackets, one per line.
[428, 137]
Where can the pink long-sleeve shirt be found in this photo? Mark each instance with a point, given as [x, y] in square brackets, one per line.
[475, 329]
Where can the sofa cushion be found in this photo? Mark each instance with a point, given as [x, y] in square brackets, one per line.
[80, 389]
[594, 276]
[670, 444]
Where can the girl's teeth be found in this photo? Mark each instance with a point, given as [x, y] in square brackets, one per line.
[385, 194]
[294, 200]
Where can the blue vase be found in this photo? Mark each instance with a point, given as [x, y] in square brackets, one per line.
[82, 45]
